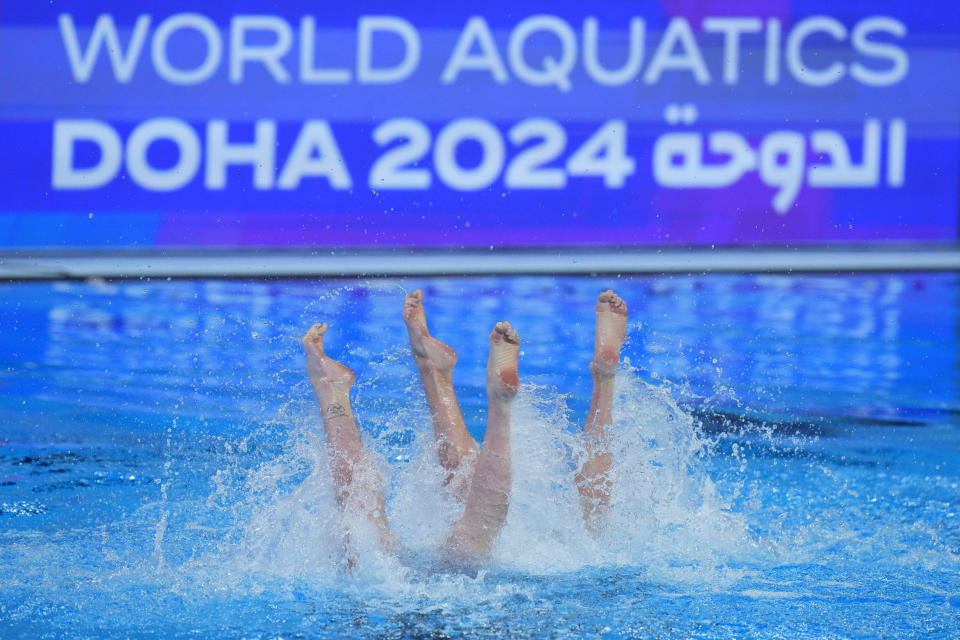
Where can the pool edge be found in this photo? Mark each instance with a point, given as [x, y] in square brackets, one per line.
[218, 263]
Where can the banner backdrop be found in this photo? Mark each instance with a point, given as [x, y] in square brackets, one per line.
[254, 123]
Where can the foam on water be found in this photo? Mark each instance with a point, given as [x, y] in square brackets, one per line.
[666, 517]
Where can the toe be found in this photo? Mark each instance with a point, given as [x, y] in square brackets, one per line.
[316, 332]
[507, 332]
[614, 302]
[314, 335]
[413, 305]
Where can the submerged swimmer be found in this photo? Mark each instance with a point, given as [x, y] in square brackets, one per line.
[480, 480]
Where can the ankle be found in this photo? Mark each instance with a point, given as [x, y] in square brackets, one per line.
[602, 372]
[443, 376]
[331, 394]
[428, 366]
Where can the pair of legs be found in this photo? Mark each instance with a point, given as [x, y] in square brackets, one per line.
[481, 481]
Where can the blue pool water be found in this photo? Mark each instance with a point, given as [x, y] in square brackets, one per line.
[787, 459]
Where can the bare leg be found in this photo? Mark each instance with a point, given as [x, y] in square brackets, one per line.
[471, 537]
[592, 480]
[356, 482]
[436, 361]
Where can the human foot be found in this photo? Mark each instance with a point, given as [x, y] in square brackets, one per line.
[502, 377]
[427, 350]
[323, 370]
[610, 333]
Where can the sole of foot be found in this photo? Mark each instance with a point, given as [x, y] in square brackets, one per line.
[502, 376]
[611, 331]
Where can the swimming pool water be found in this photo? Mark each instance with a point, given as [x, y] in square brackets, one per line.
[788, 460]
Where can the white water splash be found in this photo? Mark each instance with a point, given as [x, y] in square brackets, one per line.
[666, 515]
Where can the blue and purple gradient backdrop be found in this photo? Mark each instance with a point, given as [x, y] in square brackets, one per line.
[37, 88]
